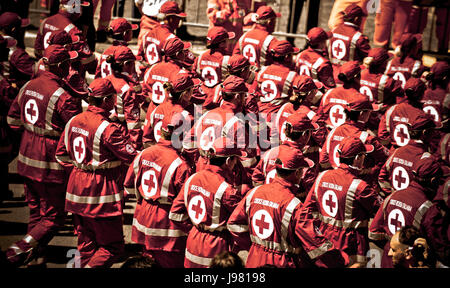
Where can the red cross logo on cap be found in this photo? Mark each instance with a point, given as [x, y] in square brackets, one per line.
[249, 53]
[79, 149]
[401, 135]
[152, 53]
[396, 220]
[158, 93]
[337, 115]
[210, 76]
[262, 224]
[330, 203]
[31, 111]
[400, 178]
[338, 49]
[105, 69]
[149, 183]
[269, 90]
[197, 209]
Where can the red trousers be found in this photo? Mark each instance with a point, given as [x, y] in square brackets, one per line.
[105, 13]
[100, 240]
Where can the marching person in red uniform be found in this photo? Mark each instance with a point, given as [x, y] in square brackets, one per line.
[343, 203]
[406, 63]
[268, 221]
[42, 109]
[156, 176]
[207, 199]
[153, 41]
[128, 99]
[93, 149]
[396, 173]
[313, 61]
[407, 207]
[121, 31]
[348, 43]
[254, 44]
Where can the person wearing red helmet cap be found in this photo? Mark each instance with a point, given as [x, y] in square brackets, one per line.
[179, 91]
[156, 177]
[206, 201]
[41, 110]
[129, 97]
[313, 61]
[412, 206]
[405, 64]
[254, 44]
[347, 42]
[393, 127]
[267, 222]
[121, 31]
[93, 149]
[343, 203]
[228, 14]
[396, 173]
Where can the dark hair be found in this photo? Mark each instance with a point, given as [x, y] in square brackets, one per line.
[227, 259]
[115, 66]
[283, 173]
[352, 115]
[279, 59]
[407, 236]
[217, 161]
[140, 262]
[95, 101]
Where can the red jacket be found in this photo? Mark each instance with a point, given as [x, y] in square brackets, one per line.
[95, 150]
[254, 45]
[315, 63]
[206, 200]
[153, 42]
[156, 177]
[103, 68]
[347, 44]
[402, 71]
[42, 108]
[436, 102]
[343, 205]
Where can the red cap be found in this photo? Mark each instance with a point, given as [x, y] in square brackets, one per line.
[421, 122]
[427, 168]
[234, 84]
[352, 11]
[300, 122]
[316, 35]
[10, 20]
[414, 87]
[101, 88]
[440, 69]
[265, 13]
[358, 102]
[182, 82]
[61, 37]
[350, 69]
[22, 62]
[407, 42]
[393, 88]
[174, 45]
[282, 47]
[173, 120]
[171, 8]
[8, 41]
[122, 54]
[352, 146]
[379, 55]
[120, 25]
[217, 34]
[55, 54]
[303, 83]
[237, 62]
[225, 147]
[291, 158]
[71, 2]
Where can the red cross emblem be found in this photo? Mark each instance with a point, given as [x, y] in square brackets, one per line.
[210, 76]
[269, 90]
[158, 93]
[262, 224]
[105, 69]
[197, 209]
[149, 183]
[249, 53]
[337, 115]
[400, 178]
[157, 131]
[338, 49]
[330, 203]
[79, 148]
[207, 138]
[396, 220]
[304, 70]
[31, 111]
[430, 110]
[152, 53]
[401, 135]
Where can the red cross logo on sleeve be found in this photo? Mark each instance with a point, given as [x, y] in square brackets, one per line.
[152, 53]
[262, 224]
[330, 203]
[197, 209]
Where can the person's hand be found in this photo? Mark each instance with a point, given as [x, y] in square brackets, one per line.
[421, 242]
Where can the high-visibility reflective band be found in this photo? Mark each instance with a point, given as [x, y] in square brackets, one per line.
[136, 165]
[317, 184]
[225, 60]
[313, 254]
[63, 159]
[14, 121]
[286, 220]
[133, 125]
[278, 116]
[241, 40]
[329, 137]
[416, 67]
[444, 144]
[16, 249]
[350, 198]
[248, 199]
[187, 189]
[381, 86]
[102, 166]
[389, 161]
[274, 245]
[425, 155]
[216, 93]
[215, 217]
[38, 163]
[384, 184]
[30, 240]
[388, 117]
[420, 212]
[355, 39]
[377, 236]
[248, 162]
[96, 143]
[166, 182]
[237, 228]
[66, 134]
[197, 259]
[226, 128]
[445, 191]
[264, 49]
[119, 102]
[348, 223]
[70, 26]
[363, 136]
[178, 217]
[156, 231]
[261, 72]
[388, 66]
[130, 190]
[316, 66]
[41, 131]
[94, 199]
[288, 84]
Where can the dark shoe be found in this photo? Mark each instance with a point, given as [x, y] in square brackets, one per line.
[101, 36]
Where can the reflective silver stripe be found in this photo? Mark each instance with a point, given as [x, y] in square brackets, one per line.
[388, 117]
[226, 128]
[14, 121]
[388, 66]
[363, 136]
[237, 228]
[16, 249]
[215, 217]
[288, 84]
[313, 254]
[225, 60]
[199, 71]
[38, 163]
[66, 134]
[92, 167]
[94, 199]
[178, 217]
[130, 191]
[340, 223]
[351, 53]
[41, 131]
[445, 191]
[248, 199]
[311, 114]
[444, 144]
[381, 86]
[70, 26]
[197, 259]
[216, 93]
[96, 144]
[377, 236]
[241, 40]
[187, 188]
[119, 102]
[152, 118]
[166, 182]
[264, 49]
[266, 162]
[30, 240]
[278, 116]
[350, 198]
[425, 155]
[136, 165]
[316, 66]
[133, 125]
[330, 136]
[317, 184]
[285, 223]
[249, 162]
[63, 159]
[199, 123]
[156, 231]
[384, 184]
[416, 67]
[420, 212]
[261, 72]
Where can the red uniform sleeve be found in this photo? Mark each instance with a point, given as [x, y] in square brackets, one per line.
[117, 141]
[132, 111]
[377, 227]
[238, 226]
[68, 106]
[178, 211]
[258, 175]
[383, 133]
[62, 155]
[369, 199]
[384, 180]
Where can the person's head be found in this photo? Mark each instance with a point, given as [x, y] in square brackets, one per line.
[354, 14]
[414, 90]
[121, 29]
[428, 173]
[140, 262]
[171, 15]
[173, 127]
[5, 44]
[407, 47]
[291, 164]
[438, 74]
[180, 88]
[234, 90]
[377, 59]
[299, 128]
[350, 73]
[122, 61]
[421, 128]
[72, 8]
[101, 94]
[224, 153]
[63, 38]
[392, 91]
[266, 17]
[352, 152]
[409, 249]
[11, 24]
[239, 65]
[227, 259]
[178, 51]
[282, 51]
[317, 38]
[358, 108]
[218, 37]
[304, 90]
[57, 60]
